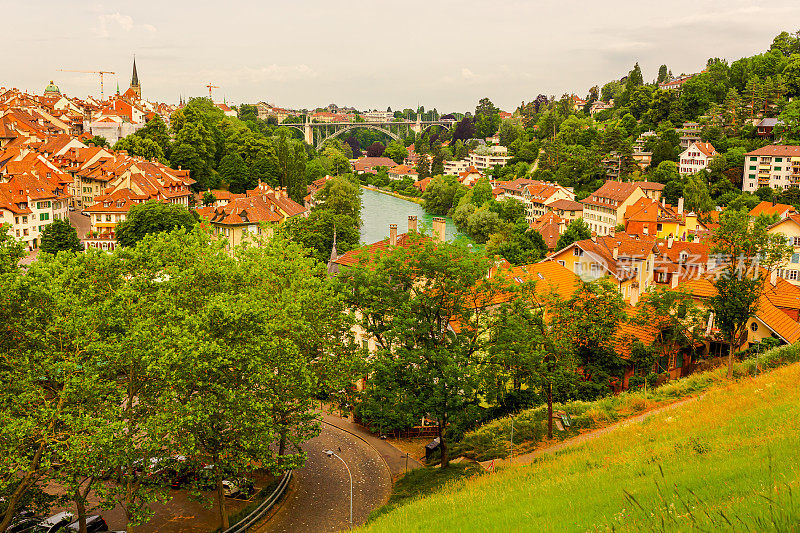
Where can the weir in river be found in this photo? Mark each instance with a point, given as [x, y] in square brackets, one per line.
[378, 210]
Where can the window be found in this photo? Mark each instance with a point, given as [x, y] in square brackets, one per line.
[792, 275]
[795, 258]
[108, 218]
[754, 326]
[578, 267]
[752, 159]
[44, 216]
[663, 363]
[679, 360]
[659, 227]
[778, 159]
[752, 167]
[562, 263]
[577, 252]
[795, 241]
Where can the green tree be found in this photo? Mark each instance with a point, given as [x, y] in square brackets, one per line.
[662, 74]
[11, 250]
[60, 235]
[406, 299]
[157, 131]
[233, 170]
[396, 151]
[144, 148]
[442, 195]
[698, 199]
[577, 230]
[337, 215]
[152, 217]
[743, 248]
[209, 198]
[590, 318]
[98, 140]
[517, 244]
[55, 394]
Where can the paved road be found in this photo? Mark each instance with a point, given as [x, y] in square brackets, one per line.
[395, 459]
[81, 223]
[319, 495]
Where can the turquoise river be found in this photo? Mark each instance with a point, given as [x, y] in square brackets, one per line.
[378, 210]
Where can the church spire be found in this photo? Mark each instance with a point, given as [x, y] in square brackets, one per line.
[135, 80]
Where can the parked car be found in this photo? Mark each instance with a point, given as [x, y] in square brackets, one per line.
[94, 523]
[54, 523]
[234, 486]
[240, 487]
[24, 522]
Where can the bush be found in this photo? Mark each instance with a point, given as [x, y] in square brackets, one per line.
[492, 440]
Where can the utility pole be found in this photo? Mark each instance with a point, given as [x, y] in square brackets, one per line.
[512, 440]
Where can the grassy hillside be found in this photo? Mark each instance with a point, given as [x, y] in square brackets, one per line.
[728, 461]
[493, 439]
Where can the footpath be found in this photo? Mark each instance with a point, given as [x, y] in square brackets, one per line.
[530, 456]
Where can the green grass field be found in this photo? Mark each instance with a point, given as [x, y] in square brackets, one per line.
[728, 461]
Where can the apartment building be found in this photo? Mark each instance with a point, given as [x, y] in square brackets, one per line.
[485, 157]
[605, 208]
[454, 168]
[774, 166]
[538, 197]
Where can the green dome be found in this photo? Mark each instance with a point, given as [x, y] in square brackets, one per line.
[52, 88]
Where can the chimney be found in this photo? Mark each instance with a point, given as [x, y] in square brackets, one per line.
[439, 226]
[615, 253]
[634, 299]
[412, 223]
[680, 205]
[392, 234]
[670, 240]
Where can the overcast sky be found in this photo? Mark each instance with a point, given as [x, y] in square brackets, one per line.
[374, 53]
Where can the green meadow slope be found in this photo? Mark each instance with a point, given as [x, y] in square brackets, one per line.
[728, 461]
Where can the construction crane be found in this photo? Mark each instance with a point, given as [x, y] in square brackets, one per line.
[101, 72]
[209, 90]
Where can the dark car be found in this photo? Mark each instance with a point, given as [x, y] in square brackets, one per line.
[23, 523]
[93, 523]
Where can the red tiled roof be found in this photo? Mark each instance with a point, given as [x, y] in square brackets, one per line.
[616, 191]
[566, 205]
[767, 208]
[776, 150]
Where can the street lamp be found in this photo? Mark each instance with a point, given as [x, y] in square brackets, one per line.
[330, 453]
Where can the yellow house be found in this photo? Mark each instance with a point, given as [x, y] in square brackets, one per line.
[243, 218]
[627, 259]
[648, 217]
[789, 227]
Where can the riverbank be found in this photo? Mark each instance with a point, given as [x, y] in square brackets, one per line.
[414, 199]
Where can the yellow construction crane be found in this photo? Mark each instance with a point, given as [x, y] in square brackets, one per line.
[101, 72]
[209, 90]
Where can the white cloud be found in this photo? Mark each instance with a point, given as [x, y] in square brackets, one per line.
[112, 24]
[467, 74]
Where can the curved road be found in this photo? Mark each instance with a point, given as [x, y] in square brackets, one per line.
[319, 496]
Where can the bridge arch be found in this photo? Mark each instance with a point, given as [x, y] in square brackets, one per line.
[354, 126]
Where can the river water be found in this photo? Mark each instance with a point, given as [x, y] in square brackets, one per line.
[378, 210]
